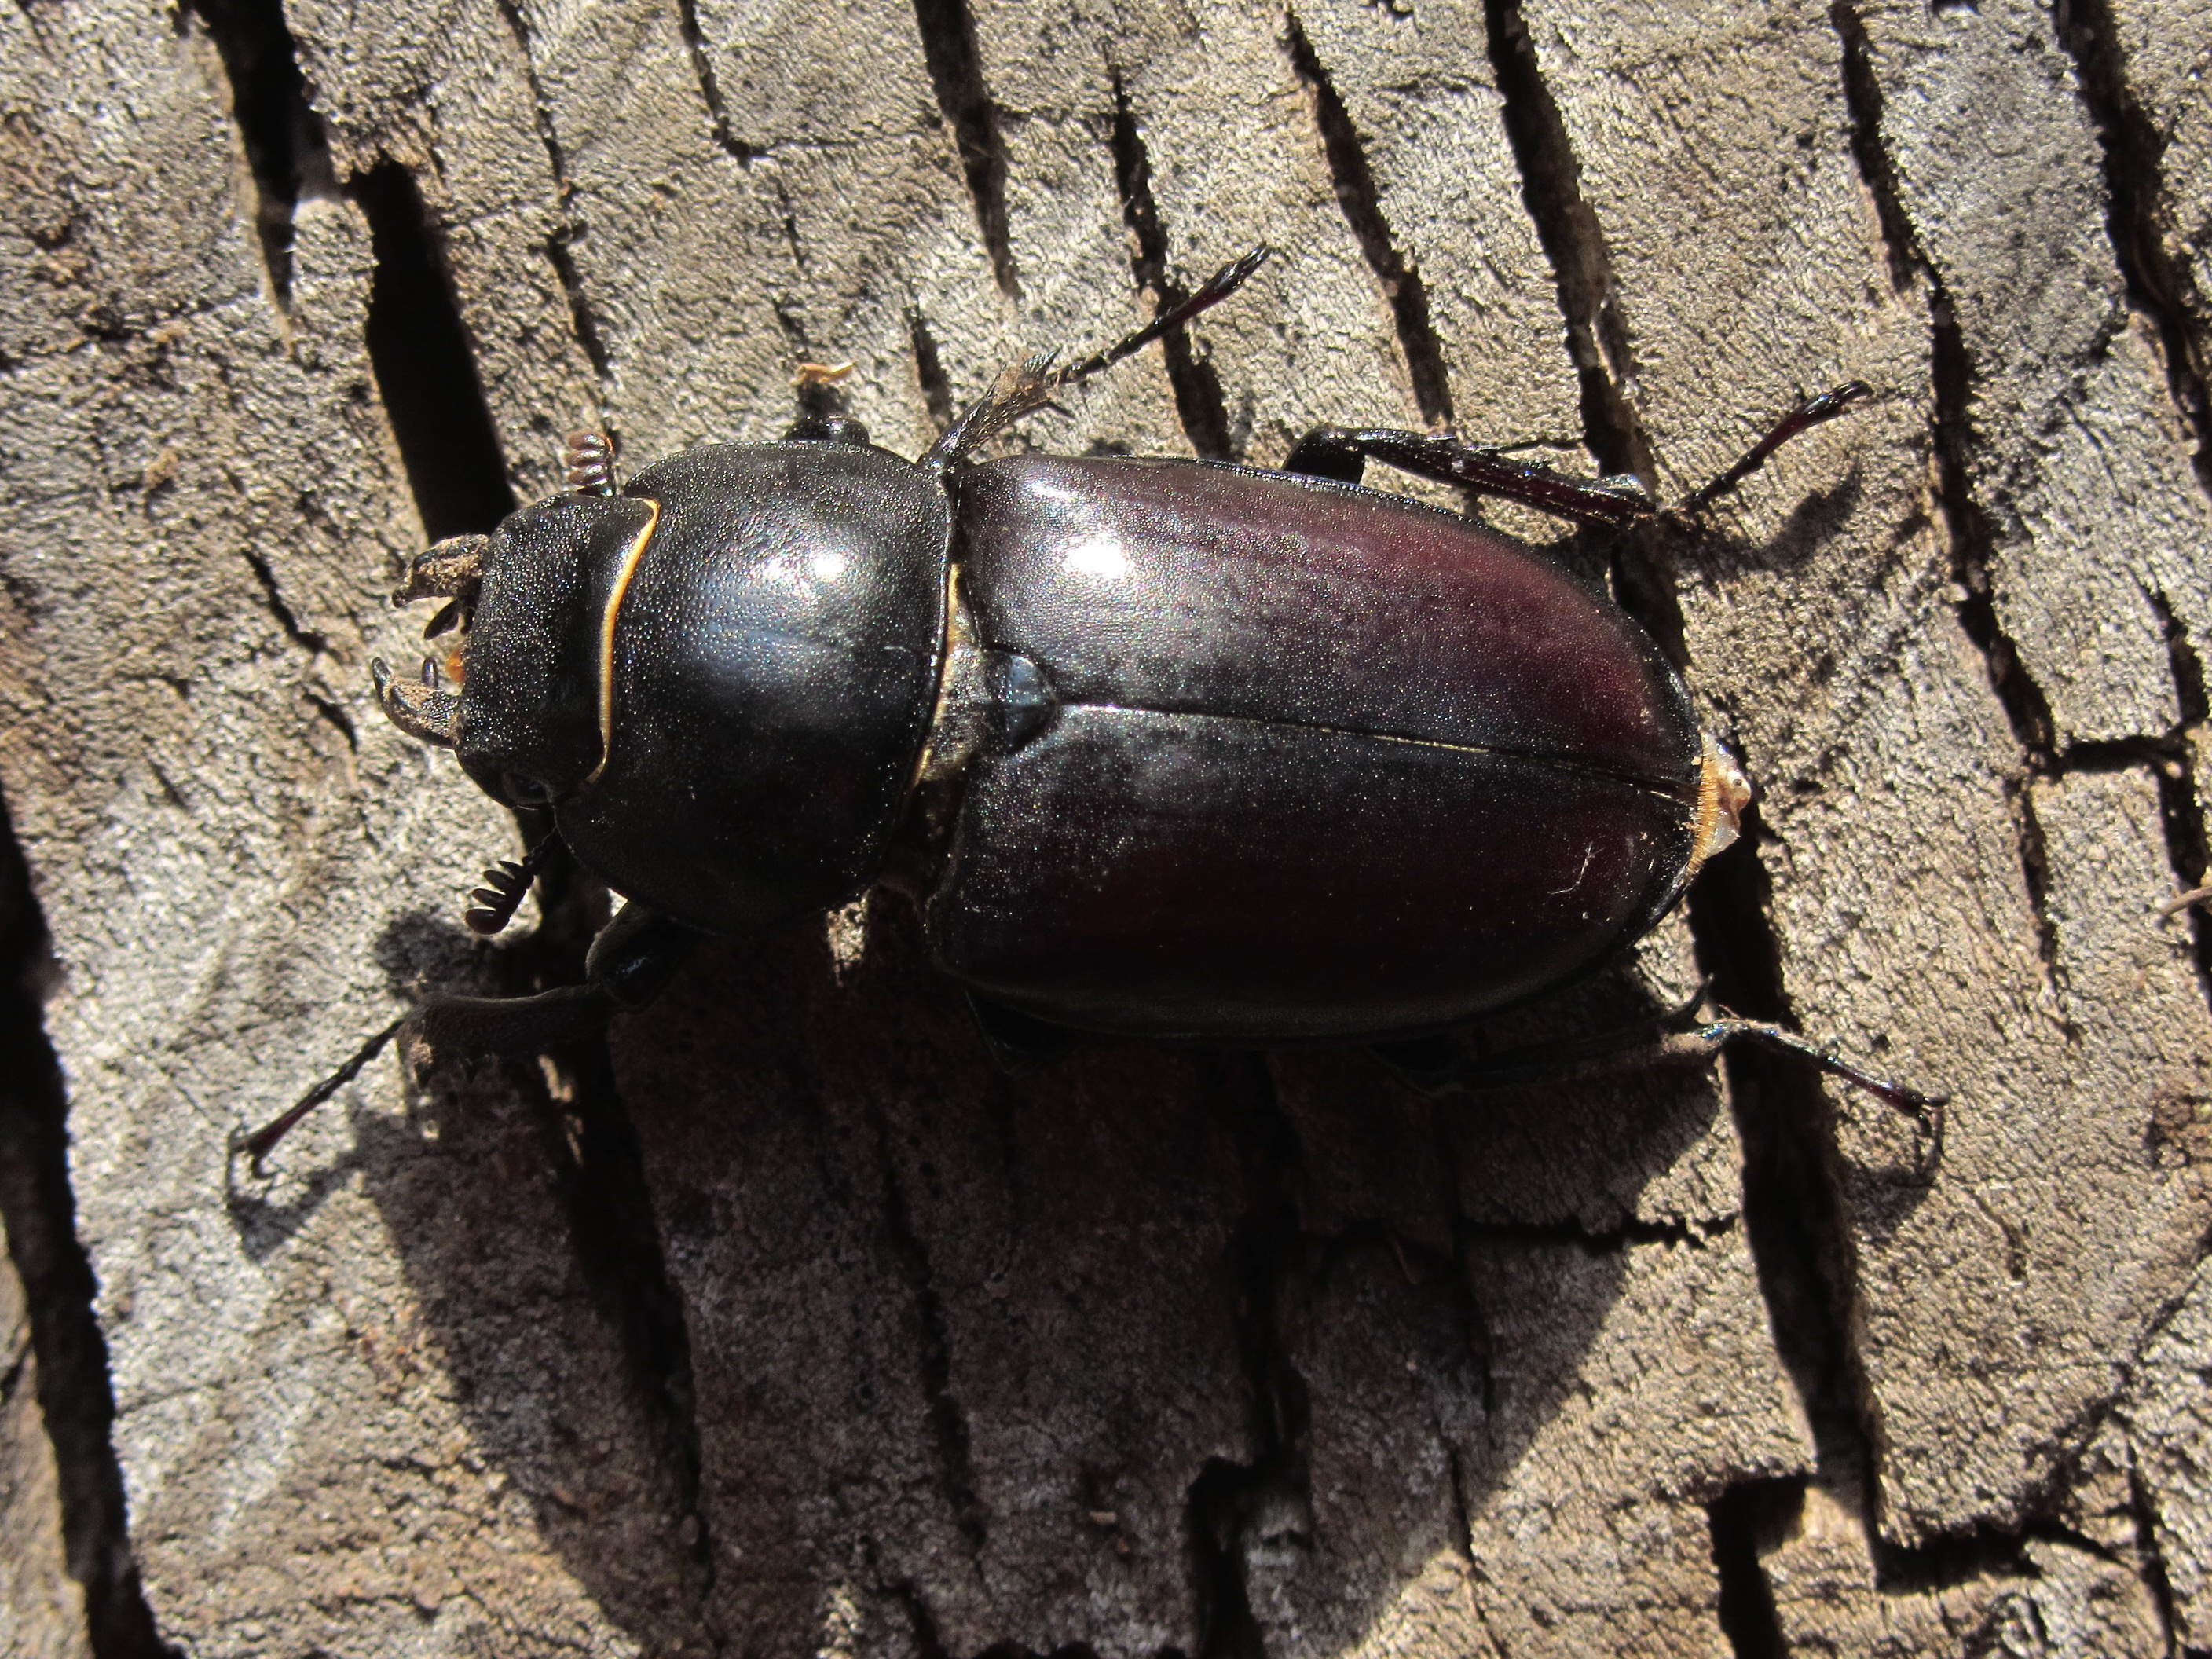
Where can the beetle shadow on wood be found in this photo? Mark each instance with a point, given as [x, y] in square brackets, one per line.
[520, 1314]
[1129, 1350]
[417, 951]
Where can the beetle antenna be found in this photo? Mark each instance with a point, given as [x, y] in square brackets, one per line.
[263, 1141]
[504, 885]
[1836, 400]
[588, 457]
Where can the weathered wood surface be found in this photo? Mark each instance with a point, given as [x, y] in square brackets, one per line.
[789, 1326]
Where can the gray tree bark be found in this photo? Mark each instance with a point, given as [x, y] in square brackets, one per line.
[785, 1325]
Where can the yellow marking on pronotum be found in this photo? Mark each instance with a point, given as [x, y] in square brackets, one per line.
[607, 621]
[952, 638]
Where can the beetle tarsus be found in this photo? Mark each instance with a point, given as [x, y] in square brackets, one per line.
[258, 1144]
[1682, 1034]
[630, 963]
[1826, 406]
[504, 886]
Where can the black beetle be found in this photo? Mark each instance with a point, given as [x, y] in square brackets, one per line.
[1162, 748]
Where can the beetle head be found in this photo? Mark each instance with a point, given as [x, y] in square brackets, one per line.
[536, 597]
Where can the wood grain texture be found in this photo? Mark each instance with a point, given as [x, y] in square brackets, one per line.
[784, 1324]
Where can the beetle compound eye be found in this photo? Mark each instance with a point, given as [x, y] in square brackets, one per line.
[526, 791]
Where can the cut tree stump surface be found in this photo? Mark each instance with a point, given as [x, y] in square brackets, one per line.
[783, 1324]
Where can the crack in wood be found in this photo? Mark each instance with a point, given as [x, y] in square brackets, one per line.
[710, 89]
[598, 1169]
[313, 643]
[582, 321]
[2160, 287]
[1794, 1212]
[286, 151]
[929, 370]
[948, 1422]
[1197, 387]
[955, 62]
[1748, 1519]
[425, 364]
[1361, 199]
[38, 1211]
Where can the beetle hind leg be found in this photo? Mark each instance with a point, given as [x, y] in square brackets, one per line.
[1684, 1034]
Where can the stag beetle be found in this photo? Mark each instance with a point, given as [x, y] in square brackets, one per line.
[1168, 748]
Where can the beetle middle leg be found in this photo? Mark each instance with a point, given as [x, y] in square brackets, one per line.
[630, 963]
[1341, 454]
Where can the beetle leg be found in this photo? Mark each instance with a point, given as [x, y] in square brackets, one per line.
[630, 963]
[1676, 1036]
[1014, 1038]
[1811, 413]
[826, 430]
[587, 458]
[1340, 453]
[1028, 387]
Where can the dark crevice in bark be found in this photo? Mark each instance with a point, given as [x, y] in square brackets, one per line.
[1198, 404]
[599, 1170]
[2181, 802]
[1269, 1498]
[1793, 1208]
[1597, 332]
[2035, 880]
[334, 714]
[426, 371]
[948, 1423]
[1971, 533]
[286, 151]
[38, 1212]
[1361, 198]
[1748, 1520]
[1973, 539]
[1862, 101]
[710, 89]
[2159, 286]
[1566, 225]
[559, 246]
[307, 640]
[929, 371]
[921, 1623]
[2150, 1558]
[956, 72]
[1795, 1214]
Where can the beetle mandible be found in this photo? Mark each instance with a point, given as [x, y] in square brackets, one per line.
[1171, 749]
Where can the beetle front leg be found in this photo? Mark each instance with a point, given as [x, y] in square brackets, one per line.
[630, 963]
